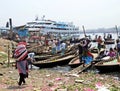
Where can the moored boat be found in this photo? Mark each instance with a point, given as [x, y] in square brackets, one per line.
[49, 55]
[75, 62]
[109, 41]
[109, 65]
[54, 62]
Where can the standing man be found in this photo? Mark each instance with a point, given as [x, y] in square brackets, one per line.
[53, 47]
[63, 47]
[84, 55]
[99, 40]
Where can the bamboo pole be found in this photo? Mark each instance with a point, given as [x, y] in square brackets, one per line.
[8, 55]
[116, 31]
[84, 31]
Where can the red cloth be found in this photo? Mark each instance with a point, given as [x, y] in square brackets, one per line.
[22, 43]
[90, 54]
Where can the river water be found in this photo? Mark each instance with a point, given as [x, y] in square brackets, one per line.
[92, 35]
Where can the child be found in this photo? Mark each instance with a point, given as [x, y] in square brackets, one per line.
[111, 53]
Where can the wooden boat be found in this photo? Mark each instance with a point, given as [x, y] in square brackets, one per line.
[94, 50]
[55, 61]
[42, 57]
[75, 62]
[110, 65]
[45, 56]
[94, 40]
[109, 41]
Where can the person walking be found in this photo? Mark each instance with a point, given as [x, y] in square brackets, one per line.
[21, 55]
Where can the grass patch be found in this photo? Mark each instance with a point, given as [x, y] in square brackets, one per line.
[3, 57]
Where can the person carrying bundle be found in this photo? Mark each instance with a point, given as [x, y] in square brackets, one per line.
[21, 55]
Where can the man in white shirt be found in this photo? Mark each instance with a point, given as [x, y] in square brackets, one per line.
[53, 47]
[63, 47]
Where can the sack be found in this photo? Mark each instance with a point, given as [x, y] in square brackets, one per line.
[20, 52]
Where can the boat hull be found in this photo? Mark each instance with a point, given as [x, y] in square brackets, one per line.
[55, 62]
[75, 62]
[111, 41]
[108, 66]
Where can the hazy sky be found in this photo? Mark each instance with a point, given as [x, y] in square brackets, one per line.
[90, 13]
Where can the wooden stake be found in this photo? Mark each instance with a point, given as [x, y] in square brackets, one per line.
[116, 31]
[84, 31]
[8, 55]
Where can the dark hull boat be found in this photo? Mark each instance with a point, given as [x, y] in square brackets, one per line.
[109, 41]
[110, 65]
[42, 57]
[55, 61]
[94, 40]
[94, 50]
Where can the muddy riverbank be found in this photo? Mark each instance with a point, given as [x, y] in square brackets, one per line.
[54, 80]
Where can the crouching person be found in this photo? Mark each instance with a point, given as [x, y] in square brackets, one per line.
[30, 59]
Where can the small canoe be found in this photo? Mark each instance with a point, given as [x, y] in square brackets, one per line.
[94, 50]
[54, 62]
[109, 41]
[110, 65]
[45, 56]
[94, 40]
[42, 57]
[75, 62]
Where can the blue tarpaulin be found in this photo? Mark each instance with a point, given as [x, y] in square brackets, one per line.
[23, 33]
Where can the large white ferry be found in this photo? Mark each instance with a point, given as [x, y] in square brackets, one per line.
[53, 27]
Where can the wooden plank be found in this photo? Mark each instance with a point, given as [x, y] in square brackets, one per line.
[83, 68]
[80, 69]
